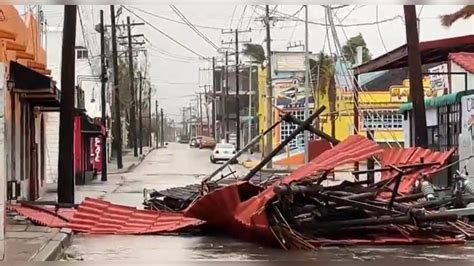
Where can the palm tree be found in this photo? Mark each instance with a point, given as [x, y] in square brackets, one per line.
[465, 13]
[324, 84]
[254, 51]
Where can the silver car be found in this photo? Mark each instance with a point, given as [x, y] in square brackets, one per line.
[223, 152]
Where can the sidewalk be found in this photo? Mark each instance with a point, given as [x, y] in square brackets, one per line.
[28, 242]
[128, 160]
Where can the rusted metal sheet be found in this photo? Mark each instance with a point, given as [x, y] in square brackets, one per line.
[96, 216]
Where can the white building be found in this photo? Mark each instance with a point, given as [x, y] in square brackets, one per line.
[87, 78]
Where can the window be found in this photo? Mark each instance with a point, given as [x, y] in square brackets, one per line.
[449, 126]
[382, 119]
[82, 54]
[288, 128]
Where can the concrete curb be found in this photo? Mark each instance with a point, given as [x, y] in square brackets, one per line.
[55, 247]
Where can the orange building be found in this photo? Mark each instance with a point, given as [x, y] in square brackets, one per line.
[28, 92]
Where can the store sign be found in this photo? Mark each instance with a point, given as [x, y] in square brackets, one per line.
[400, 93]
[467, 115]
[96, 154]
[439, 82]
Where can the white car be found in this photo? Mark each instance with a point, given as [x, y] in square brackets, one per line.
[223, 152]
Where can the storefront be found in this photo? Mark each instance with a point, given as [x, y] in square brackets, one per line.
[88, 134]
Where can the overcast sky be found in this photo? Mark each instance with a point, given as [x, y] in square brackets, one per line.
[174, 70]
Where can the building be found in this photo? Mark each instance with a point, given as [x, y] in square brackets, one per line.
[448, 66]
[87, 80]
[29, 93]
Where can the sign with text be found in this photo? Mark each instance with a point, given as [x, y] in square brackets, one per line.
[96, 154]
[400, 93]
[439, 82]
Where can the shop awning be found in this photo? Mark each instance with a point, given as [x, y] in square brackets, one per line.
[435, 102]
[34, 87]
[90, 127]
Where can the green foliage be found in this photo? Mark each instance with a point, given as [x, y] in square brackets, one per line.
[350, 49]
[254, 51]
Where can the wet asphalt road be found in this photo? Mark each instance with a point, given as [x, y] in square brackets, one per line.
[179, 165]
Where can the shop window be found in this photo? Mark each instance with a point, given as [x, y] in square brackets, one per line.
[382, 119]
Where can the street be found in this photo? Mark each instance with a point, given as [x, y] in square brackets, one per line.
[179, 165]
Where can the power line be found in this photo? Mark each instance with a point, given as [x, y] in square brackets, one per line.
[241, 17]
[197, 31]
[378, 28]
[289, 17]
[163, 33]
[173, 20]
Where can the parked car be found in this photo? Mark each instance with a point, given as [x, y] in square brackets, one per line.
[183, 139]
[223, 152]
[195, 141]
[207, 143]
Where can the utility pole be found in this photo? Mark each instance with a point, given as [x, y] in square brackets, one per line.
[156, 121]
[237, 81]
[103, 79]
[416, 78]
[200, 112]
[213, 103]
[149, 117]
[133, 127]
[222, 103]
[227, 119]
[269, 94]
[117, 125]
[306, 86]
[190, 121]
[162, 129]
[140, 114]
[249, 137]
[66, 116]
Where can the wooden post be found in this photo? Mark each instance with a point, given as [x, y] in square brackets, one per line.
[66, 126]
[131, 73]
[103, 103]
[117, 125]
[416, 78]
[140, 114]
[269, 93]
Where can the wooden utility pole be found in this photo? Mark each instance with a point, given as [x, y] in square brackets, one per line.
[117, 123]
[200, 113]
[416, 77]
[269, 94]
[66, 116]
[162, 129]
[103, 78]
[140, 114]
[133, 126]
[149, 116]
[237, 82]
[156, 121]
[226, 98]
[213, 102]
[223, 105]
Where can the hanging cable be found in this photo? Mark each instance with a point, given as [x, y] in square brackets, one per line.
[378, 28]
[196, 30]
[164, 33]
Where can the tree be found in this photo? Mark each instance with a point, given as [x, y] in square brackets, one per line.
[350, 49]
[254, 51]
[324, 83]
[465, 13]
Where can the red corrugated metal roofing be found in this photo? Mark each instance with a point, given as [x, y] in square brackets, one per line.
[44, 215]
[248, 216]
[413, 155]
[101, 217]
[464, 59]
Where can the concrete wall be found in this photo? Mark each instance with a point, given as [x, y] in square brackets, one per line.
[4, 162]
[52, 147]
